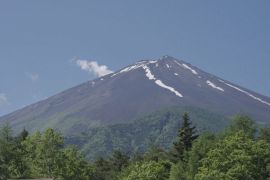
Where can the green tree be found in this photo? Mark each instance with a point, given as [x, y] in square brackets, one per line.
[150, 170]
[46, 157]
[7, 154]
[103, 169]
[40, 155]
[119, 161]
[23, 135]
[44, 153]
[74, 166]
[179, 171]
[264, 134]
[199, 150]
[136, 157]
[18, 167]
[242, 123]
[12, 154]
[237, 156]
[186, 135]
[111, 168]
[156, 153]
[188, 170]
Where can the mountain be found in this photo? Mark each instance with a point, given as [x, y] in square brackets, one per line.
[158, 128]
[136, 92]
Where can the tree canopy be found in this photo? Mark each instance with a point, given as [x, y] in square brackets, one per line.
[236, 153]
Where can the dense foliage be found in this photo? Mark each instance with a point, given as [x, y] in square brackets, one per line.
[187, 135]
[241, 151]
[160, 128]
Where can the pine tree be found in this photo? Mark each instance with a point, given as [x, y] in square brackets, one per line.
[119, 160]
[186, 135]
[23, 135]
[7, 154]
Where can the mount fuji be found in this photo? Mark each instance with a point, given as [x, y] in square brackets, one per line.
[143, 88]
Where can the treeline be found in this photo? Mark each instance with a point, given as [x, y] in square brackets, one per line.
[241, 151]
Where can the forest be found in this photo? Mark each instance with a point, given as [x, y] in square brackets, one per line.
[240, 151]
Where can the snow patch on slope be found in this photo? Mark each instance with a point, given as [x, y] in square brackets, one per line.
[214, 86]
[136, 66]
[161, 84]
[249, 94]
[178, 63]
[152, 62]
[167, 65]
[221, 81]
[189, 68]
[127, 69]
[150, 76]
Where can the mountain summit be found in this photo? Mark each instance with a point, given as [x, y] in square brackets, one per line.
[139, 89]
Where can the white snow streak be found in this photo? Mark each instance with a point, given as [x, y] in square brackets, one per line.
[150, 76]
[148, 73]
[214, 86]
[133, 67]
[176, 74]
[152, 62]
[178, 63]
[189, 68]
[249, 94]
[167, 66]
[127, 69]
[161, 84]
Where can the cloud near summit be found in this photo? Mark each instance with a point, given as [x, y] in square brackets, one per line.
[34, 77]
[93, 67]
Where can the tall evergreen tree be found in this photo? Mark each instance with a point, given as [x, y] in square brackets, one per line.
[119, 160]
[186, 135]
[19, 167]
[23, 135]
[7, 154]
[264, 134]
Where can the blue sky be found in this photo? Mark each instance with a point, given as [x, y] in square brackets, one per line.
[39, 41]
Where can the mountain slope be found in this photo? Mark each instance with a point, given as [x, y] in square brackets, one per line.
[159, 128]
[139, 89]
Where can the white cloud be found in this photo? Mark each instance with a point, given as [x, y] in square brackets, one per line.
[33, 76]
[93, 67]
[3, 99]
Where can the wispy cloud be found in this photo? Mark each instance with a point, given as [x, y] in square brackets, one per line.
[93, 67]
[3, 99]
[34, 77]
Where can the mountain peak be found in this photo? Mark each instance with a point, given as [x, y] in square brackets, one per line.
[163, 58]
[143, 87]
[165, 61]
[167, 57]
